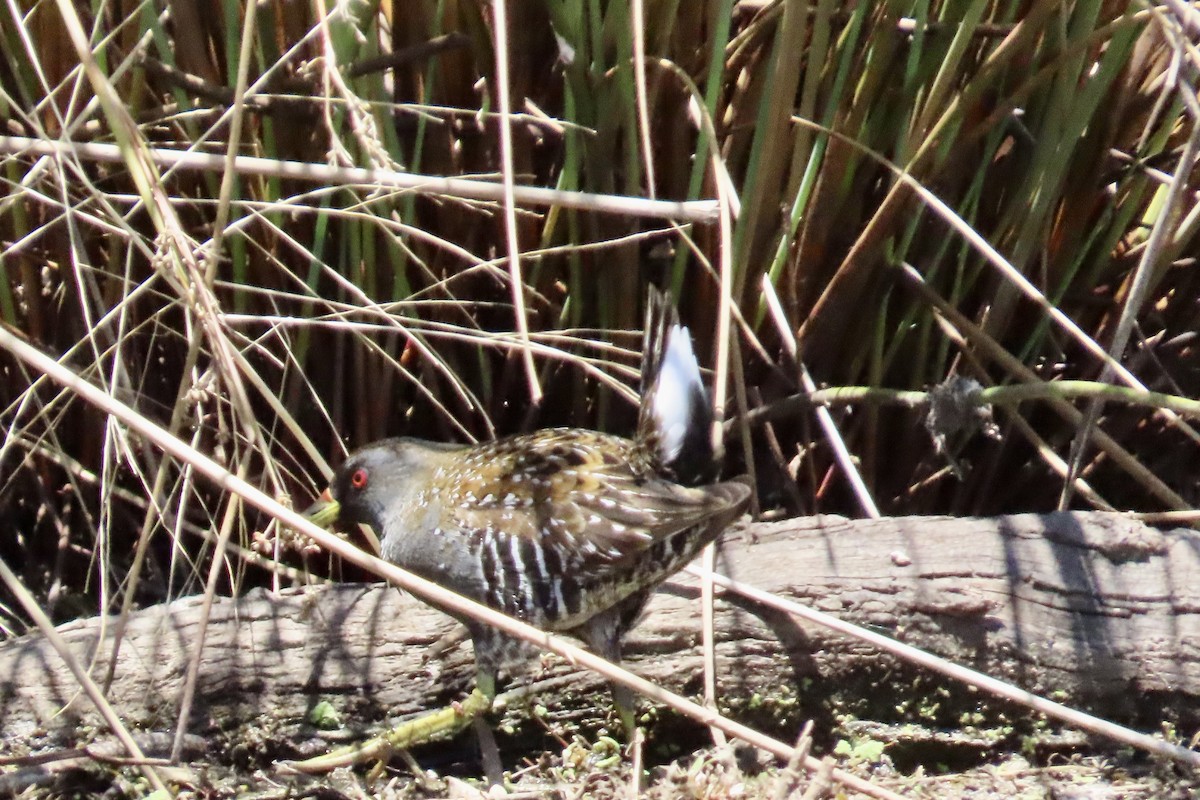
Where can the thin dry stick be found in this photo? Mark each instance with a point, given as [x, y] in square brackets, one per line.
[228, 177]
[426, 590]
[841, 452]
[743, 427]
[720, 382]
[462, 188]
[728, 206]
[500, 43]
[790, 774]
[708, 558]
[820, 783]
[635, 777]
[637, 19]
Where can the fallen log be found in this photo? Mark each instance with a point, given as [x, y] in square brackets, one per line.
[1092, 608]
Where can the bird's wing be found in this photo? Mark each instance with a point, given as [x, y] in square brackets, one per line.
[577, 493]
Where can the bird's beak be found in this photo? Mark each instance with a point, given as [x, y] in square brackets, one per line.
[324, 512]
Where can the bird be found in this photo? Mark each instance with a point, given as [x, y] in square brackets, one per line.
[567, 529]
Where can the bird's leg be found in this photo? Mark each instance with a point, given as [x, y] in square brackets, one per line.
[604, 635]
[626, 706]
[443, 722]
[489, 752]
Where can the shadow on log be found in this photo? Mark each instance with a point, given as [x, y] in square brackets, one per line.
[1091, 608]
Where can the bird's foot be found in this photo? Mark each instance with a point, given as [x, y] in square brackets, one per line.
[436, 724]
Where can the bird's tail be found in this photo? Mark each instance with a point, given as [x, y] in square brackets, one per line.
[675, 417]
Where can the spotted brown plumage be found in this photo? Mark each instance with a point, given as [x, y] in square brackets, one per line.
[554, 527]
[567, 529]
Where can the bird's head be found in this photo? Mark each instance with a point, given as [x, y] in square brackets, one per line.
[379, 482]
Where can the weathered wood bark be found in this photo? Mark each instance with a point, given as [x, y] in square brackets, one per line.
[1093, 608]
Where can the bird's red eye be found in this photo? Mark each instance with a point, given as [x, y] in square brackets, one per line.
[359, 479]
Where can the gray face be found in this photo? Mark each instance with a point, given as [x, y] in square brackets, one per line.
[387, 485]
[380, 479]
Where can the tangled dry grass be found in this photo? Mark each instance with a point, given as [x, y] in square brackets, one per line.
[237, 226]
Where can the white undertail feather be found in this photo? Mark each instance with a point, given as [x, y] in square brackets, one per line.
[675, 420]
[679, 382]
